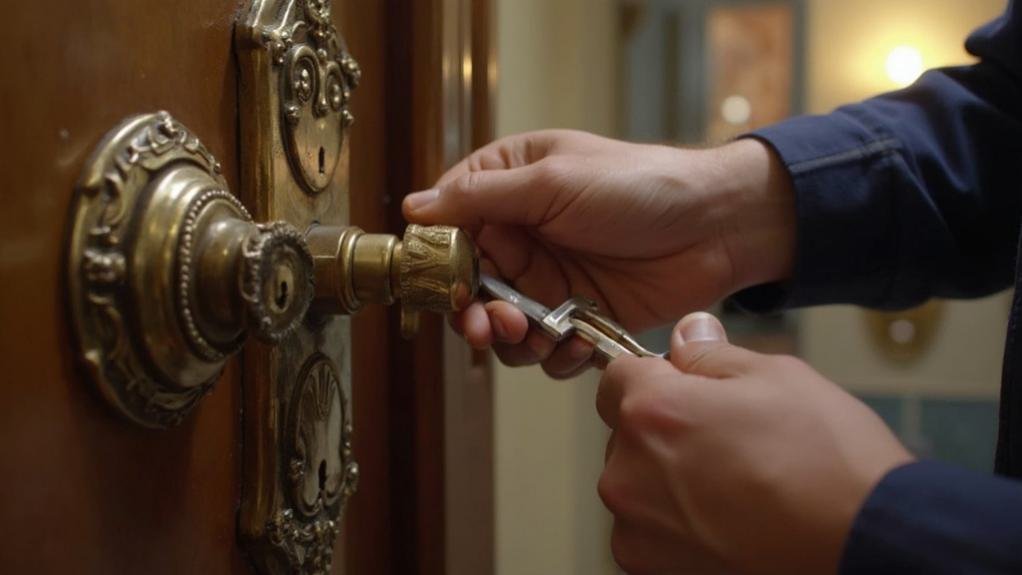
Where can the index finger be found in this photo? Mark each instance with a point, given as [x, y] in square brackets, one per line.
[503, 154]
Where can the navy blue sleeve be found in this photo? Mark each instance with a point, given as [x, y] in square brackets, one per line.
[912, 194]
[931, 518]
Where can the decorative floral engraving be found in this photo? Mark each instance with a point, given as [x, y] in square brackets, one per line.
[320, 469]
[163, 135]
[425, 252]
[103, 267]
[108, 194]
[317, 79]
[160, 136]
[309, 547]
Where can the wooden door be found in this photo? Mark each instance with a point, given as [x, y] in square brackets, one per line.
[86, 492]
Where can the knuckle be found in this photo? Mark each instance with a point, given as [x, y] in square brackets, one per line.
[489, 157]
[552, 169]
[568, 135]
[656, 412]
[611, 493]
[637, 411]
[555, 134]
[476, 160]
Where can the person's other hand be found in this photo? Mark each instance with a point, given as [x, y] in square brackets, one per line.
[649, 232]
[722, 459]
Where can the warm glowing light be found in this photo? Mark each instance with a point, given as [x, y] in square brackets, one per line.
[902, 331]
[904, 65]
[736, 110]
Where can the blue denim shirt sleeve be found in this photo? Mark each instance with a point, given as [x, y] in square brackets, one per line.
[912, 194]
[928, 517]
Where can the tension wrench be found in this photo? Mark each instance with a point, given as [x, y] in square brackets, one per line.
[578, 316]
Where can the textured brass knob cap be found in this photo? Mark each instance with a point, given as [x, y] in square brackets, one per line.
[437, 269]
[432, 268]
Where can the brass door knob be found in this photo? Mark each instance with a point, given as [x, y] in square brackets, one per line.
[433, 268]
[168, 275]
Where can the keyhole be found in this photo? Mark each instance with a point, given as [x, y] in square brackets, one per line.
[281, 299]
[322, 160]
[322, 475]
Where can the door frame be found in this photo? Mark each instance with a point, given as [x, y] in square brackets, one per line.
[426, 502]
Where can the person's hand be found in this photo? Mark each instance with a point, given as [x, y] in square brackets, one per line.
[725, 460]
[649, 232]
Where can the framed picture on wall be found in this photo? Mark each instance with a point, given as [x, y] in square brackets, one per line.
[750, 73]
[698, 71]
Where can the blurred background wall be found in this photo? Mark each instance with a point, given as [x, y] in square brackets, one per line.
[557, 61]
[572, 64]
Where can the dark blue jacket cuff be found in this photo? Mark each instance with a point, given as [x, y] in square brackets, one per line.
[837, 164]
[912, 194]
[928, 517]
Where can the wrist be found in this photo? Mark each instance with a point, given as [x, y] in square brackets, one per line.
[756, 215]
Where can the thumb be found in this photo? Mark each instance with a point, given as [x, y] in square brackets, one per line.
[699, 346]
[482, 197]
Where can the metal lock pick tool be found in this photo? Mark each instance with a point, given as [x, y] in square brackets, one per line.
[578, 316]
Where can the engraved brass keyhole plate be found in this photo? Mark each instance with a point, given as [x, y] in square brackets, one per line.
[299, 471]
[319, 438]
[316, 76]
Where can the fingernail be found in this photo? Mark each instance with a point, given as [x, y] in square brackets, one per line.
[498, 328]
[419, 200]
[702, 327]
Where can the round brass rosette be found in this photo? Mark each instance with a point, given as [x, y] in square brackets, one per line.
[167, 273]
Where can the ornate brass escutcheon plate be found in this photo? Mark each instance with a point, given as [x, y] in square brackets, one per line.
[296, 81]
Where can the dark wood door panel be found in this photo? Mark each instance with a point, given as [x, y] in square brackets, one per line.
[84, 491]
